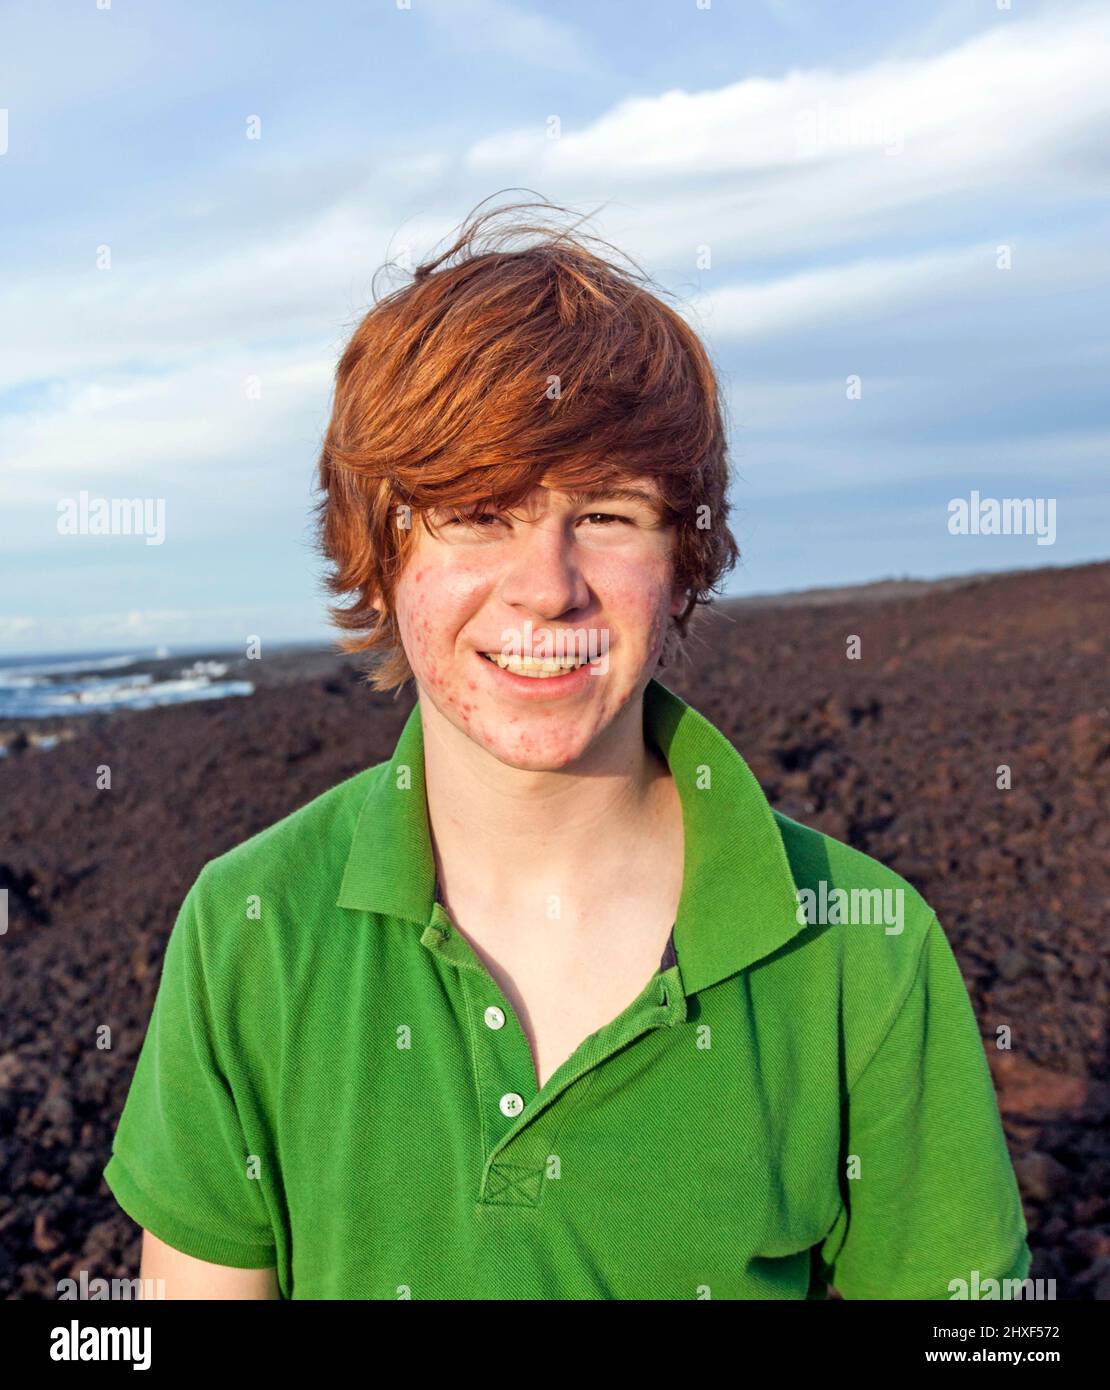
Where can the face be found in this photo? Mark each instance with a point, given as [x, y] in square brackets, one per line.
[574, 595]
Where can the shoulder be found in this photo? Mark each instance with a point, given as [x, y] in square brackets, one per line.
[256, 916]
[298, 860]
[866, 929]
[816, 858]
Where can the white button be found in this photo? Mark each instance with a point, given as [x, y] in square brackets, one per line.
[494, 1017]
[511, 1103]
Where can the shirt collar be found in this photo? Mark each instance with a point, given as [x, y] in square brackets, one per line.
[739, 899]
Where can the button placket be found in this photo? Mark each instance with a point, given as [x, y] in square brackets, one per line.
[505, 1079]
[505, 1075]
[661, 1003]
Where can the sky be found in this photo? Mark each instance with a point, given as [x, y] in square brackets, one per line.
[888, 221]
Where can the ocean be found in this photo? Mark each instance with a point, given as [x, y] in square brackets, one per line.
[45, 687]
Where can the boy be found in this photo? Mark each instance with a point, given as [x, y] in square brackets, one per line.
[552, 1004]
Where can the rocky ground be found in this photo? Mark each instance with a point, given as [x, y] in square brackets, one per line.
[896, 752]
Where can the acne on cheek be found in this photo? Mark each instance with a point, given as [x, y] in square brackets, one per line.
[451, 589]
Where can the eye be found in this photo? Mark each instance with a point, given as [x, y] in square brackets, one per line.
[472, 518]
[480, 520]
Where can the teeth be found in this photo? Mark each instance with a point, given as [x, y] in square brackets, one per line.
[537, 667]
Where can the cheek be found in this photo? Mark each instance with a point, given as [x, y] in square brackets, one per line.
[433, 603]
[417, 621]
[413, 618]
[636, 597]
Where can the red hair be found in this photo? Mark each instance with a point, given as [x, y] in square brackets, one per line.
[478, 379]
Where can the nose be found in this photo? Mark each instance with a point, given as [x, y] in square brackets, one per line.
[544, 574]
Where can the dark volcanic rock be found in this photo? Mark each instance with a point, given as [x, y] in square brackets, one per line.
[961, 686]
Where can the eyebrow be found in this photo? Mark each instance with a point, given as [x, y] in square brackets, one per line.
[613, 494]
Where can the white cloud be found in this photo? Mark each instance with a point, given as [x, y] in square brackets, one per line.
[177, 437]
[1026, 100]
[879, 287]
[876, 290]
[139, 372]
[159, 309]
[816, 156]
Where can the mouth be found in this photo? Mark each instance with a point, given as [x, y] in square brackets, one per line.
[535, 668]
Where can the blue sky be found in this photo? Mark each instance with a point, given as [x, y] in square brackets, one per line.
[851, 169]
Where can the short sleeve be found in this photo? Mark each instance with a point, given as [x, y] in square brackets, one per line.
[180, 1164]
[935, 1198]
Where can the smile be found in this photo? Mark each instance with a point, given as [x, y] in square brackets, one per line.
[537, 668]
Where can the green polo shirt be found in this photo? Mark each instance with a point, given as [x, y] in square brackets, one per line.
[333, 1084]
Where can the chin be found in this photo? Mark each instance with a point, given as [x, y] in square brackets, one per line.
[535, 752]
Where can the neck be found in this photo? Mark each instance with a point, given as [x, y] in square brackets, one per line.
[514, 836]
